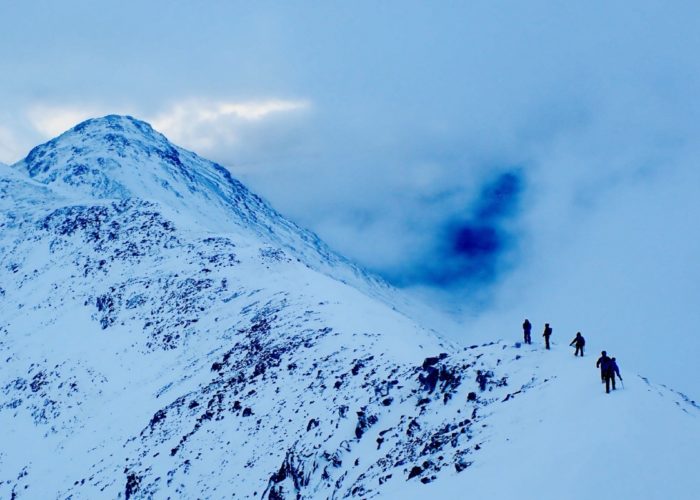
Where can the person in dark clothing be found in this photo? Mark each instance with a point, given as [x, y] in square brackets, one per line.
[547, 333]
[606, 371]
[527, 327]
[602, 363]
[614, 370]
[580, 342]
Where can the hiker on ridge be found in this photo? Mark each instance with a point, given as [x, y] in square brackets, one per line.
[547, 333]
[614, 370]
[527, 327]
[603, 363]
[607, 371]
[580, 342]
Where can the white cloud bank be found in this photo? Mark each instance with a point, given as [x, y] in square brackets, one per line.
[205, 126]
[10, 145]
[51, 120]
[208, 125]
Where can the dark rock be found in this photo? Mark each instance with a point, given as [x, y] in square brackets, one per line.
[413, 426]
[157, 417]
[429, 381]
[364, 422]
[312, 424]
[415, 471]
[430, 362]
[461, 465]
[132, 484]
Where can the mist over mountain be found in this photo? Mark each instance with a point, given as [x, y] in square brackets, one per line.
[164, 332]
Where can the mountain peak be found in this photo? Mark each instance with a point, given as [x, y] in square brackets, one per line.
[114, 123]
[95, 141]
[120, 157]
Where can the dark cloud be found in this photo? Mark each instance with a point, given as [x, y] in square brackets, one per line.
[473, 246]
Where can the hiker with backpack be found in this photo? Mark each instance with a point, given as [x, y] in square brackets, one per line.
[614, 370]
[527, 327]
[602, 363]
[606, 371]
[580, 342]
[547, 333]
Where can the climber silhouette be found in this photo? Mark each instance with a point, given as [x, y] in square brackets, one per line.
[614, 370]
[606, 370]
[527, 327]
[547, 333]
[602, 363]
[579, 341]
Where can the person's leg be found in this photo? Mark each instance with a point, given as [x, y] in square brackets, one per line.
[612, 379]
[607, 385]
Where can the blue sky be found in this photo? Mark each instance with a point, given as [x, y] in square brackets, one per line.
[501, 159]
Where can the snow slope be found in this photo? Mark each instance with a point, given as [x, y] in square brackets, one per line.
[165, 333]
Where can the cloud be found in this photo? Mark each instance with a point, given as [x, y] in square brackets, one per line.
[51, 120]
[10, 146]
[470, 246]
[228, 131]
[208, 126]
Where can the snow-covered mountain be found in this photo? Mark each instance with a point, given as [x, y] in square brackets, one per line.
[165, 333]
[118, 157]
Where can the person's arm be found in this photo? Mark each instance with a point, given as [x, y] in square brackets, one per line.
[597, 365]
